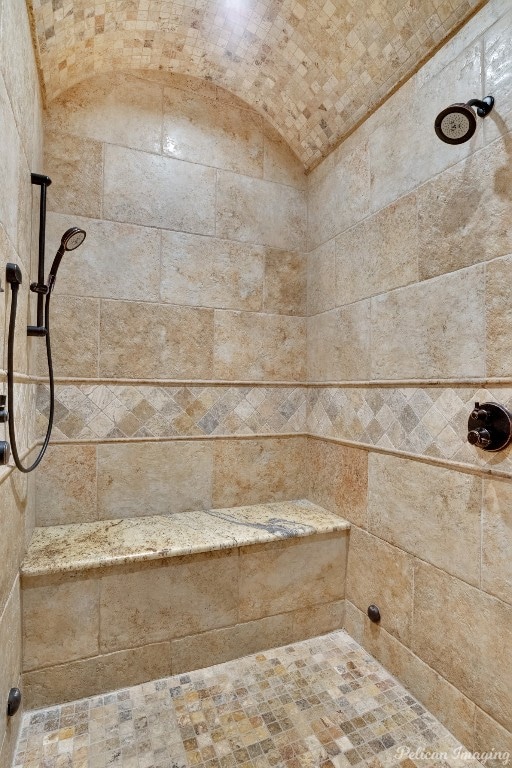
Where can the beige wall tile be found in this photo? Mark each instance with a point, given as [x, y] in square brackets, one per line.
[174, 599]
[72, 632]
[116, 261]
[131, 332]
[66, 488]
[261, 212]
[381, 574]
[221, 645]
[490, 735]
[341, 198]
[339, 344]
[441, 698]
[497, 56]
[207, 272]
[259, 346]
[497, 539]
[100, 674]
[322, 278]
[379, 253]
[75, 166]
[354, 621]
[430, 330]
[464, 214]
[10, 656]
[498, 313]
[318, 620]
[75, 337]
[279, 162]
[196, 129]
[11, 163]
[338, 479]
[117, 108]
[13, 506]
[466, 636]
[292, 574]
[285, 282]
[257, 471]
[431, 512]
[154, 191]
[153, 478]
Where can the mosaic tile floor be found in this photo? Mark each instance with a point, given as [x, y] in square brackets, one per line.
[322, 702]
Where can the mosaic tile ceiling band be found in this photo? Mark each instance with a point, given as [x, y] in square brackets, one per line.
[314, 69]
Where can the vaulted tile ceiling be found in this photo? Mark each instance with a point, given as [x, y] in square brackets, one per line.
[315, 69]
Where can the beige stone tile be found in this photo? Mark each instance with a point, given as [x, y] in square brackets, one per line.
[11, 164]
[430, 330]
[322, 278]
[341, 198]
[498, 312]
[379, 253]
[7, 254]
[441, 698]
[318, 620]
[207, 272]
[497, 539]
[13, 506]
[137, 190]
[285, 282]
[259, 346]
[66, 489]
[431, 512]
[221, 645]
[196, 129]
[116, 261]
[72, 632]
[497, 57]
[153, 478]
[490, 735]
[257, 211]
[75, 166]
[115, 108]
[381, 574]
[339, 344]
[464, 214]
[132, 331]
[143, 605]
[257, 471]
[75, 337]
[354, 621]
[338, 479]
[466, 636]
[10, 657]
[100, 674]
[291, 574]
[279, 162]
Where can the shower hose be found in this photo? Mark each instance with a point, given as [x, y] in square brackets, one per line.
[10, 379]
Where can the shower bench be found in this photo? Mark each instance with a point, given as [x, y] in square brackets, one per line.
[114, 603]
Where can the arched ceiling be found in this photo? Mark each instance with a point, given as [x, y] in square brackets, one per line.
[316, 69]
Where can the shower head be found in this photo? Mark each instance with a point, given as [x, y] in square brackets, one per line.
[457, 123]
[71, 239]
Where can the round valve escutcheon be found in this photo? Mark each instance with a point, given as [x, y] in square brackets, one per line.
[490, 426]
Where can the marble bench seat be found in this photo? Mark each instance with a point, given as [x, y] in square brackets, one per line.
[114, 603]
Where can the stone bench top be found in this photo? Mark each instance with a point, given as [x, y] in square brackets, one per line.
[87, 546]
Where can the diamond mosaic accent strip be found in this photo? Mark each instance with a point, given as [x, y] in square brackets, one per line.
[323, 702]
[95, 411]
[314, 69]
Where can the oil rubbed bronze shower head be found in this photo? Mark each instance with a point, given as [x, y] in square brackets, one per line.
[457, 123]
[71, 239]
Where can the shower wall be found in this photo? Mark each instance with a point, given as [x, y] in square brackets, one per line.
[179, 326]
[410, 303]
[20, 153]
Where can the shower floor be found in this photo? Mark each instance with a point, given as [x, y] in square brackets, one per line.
[321, 702]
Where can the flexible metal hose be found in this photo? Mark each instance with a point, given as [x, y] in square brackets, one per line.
[10, 380]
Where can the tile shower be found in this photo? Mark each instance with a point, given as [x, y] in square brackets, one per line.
[250, 334]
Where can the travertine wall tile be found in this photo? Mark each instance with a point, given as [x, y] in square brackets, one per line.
[153, 478]
[498, 313]
[280, 164]
[61, 622]
[381, 574]
[339, 344]
[137, 191]
[322, 278]
[431, 512]
[490, 735]
[285, 282]
[497, 55]
[497, 539]
[318, 619]
[13, 505]
[66, 489]
[10, 657]
[11, 162]
[76, 164]
[181, 597]
[338, 479]
[75, 338]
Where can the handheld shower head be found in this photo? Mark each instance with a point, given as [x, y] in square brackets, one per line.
[457, 123]
[71, 239]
